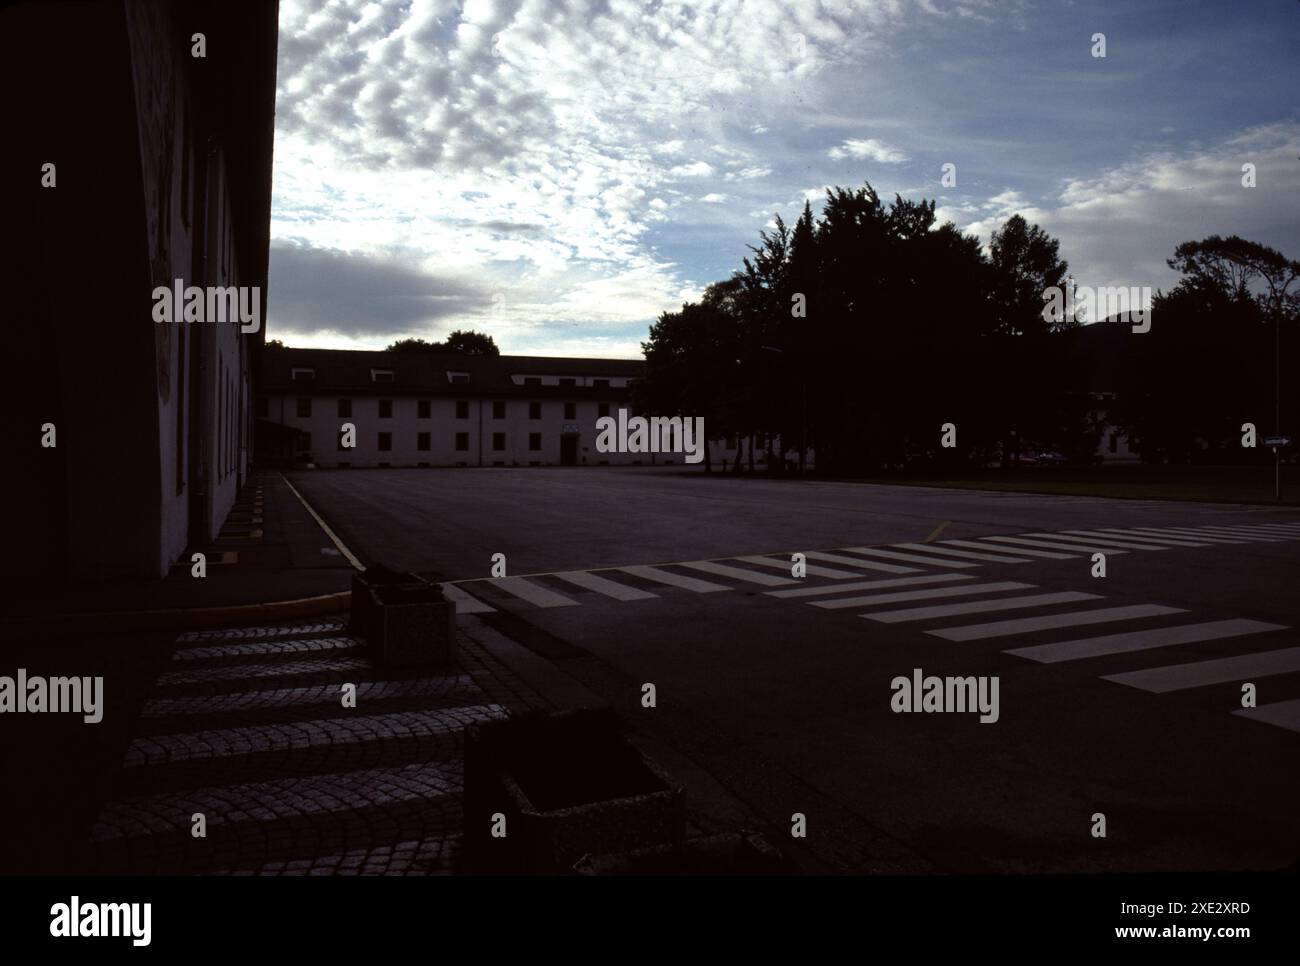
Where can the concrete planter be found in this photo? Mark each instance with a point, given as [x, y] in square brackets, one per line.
[363, 603]
[411, 626]
[569, 786]
[406, 620]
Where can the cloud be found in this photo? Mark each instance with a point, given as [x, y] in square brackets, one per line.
[357, 295]
[867, 148]
[1118, 227]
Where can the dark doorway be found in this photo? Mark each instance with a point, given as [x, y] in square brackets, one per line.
[569, 449]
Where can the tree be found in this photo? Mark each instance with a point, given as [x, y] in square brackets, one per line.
[1026, 263]
[414, 345]
[1233, 265]
[691, 364]
[468, 343]
[1203, 369]
[472, 343]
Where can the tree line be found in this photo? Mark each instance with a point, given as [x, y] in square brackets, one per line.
[859, 333]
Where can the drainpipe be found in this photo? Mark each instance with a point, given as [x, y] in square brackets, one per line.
[480, 431]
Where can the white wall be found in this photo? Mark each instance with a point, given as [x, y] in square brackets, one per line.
[324, 425]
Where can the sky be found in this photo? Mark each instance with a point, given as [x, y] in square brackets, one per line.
[557, 173]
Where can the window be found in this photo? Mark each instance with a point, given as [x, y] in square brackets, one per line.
[462, 409]
[304, 408]
[302, 375]
[422, 441]
[304, 440]
[1114, 442]
[498, 441]
[460, 378]
[263, 404]
[498, 409]
[603, 409]
[569, 383]
[385, 409]
[600, 383]
[385, 442]
[532, 380]
[462, 442]
[423, 409]
[534, 441]
[381, 375]
[570, 410]
[534, 410]
[345, 408]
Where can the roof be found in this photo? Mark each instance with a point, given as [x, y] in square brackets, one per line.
[426, 373]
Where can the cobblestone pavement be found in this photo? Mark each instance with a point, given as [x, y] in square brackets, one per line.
[248, 737]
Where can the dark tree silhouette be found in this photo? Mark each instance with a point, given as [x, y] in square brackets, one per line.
[468, 343]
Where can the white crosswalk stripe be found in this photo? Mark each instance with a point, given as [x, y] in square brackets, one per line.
[978, 606]
[1283, 714]
[965, 590]
[602, 585]
[868, 585]
[1245, 532]
[1095, 543]
[1189, 533]
[1143, 640]
[736, 573]
[911, 558]
[670, 579]
[465, 603]
[1045, 545]
[963, 554]
[1197, 674]
[535, 594]
[1024, 625]
[839, 558]
[1041, 554]
[813, 569]
[1132, 539]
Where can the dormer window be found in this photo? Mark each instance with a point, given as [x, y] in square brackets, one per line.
[300, 374]
[381, 375]
[457, 377]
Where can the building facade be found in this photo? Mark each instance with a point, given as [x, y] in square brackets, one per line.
[445, 409]
[147, 163]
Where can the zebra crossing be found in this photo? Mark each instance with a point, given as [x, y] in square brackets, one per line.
[946, 601]
[249, 730]
[935, 585]
[649, 582]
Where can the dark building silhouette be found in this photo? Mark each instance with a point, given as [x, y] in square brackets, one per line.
[162, 170]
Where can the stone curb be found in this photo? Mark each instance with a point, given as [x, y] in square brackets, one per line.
[185, 618]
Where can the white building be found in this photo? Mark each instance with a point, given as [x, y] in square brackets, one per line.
[446, 409]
